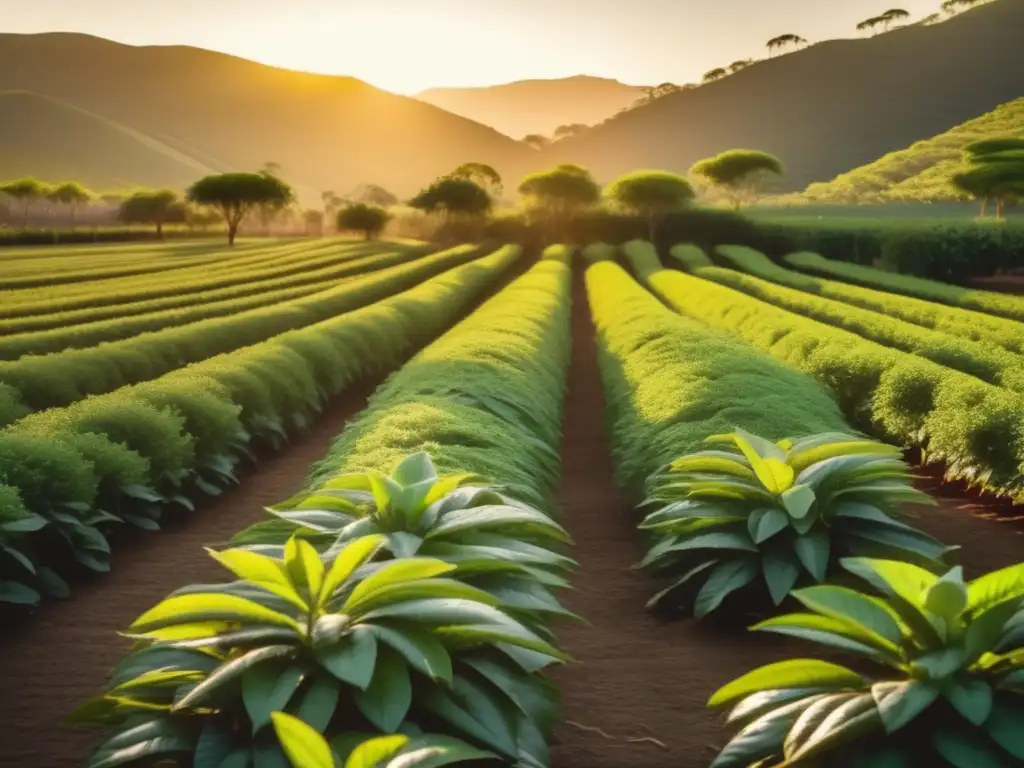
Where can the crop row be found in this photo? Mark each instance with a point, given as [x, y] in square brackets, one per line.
[438, 587]
[103, 293]
[971, 426]
[128, 455]
[286, 270]
[939, 662]
[954, 321]
[250, 296]
[1011, 307]
[36, 382]
[986, 361]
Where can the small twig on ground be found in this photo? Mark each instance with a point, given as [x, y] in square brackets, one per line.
[650, 740]
[591, 729]
[609, 737]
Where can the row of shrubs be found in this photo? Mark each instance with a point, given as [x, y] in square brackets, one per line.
[972, 427]
[428, 590]
[757, 494]
[972, 325]
[998, 304]
[985, 361]
[71, 475]
[41, 237]
[66, 334]
[36, 382]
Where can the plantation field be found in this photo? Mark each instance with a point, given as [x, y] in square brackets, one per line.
[392, 488]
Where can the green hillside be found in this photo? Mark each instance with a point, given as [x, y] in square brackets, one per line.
[921, 172]
[43, 137]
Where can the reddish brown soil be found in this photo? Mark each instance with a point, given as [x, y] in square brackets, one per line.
[59, 658]
[1013, 284]
[634, 698]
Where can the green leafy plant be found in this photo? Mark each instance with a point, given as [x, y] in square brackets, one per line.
[951, 692]
[307, 748]
[381, 643]
[494, 541]
[752, 511]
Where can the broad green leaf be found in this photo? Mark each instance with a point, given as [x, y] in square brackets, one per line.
[352, 659]
[765, 523]
[760, 739]
[794, 673]
[435, 588]
[781, 571]
[304, 566]
[304, 746]
[495, 516]
[316, 705]
[437, 752]
[965, 749]
[813, 550]
[995, 588]
[376, 752]
[940, 664]
[814, 713]
[493, 733]
[726, 578]
[947, 597]
[871, 614]
[824, 630]
[756, 704]
[445, 486]
[758, 446]
[386, 700]
[415, 468]
[1003, 725]
[17, 594]
[890, 577]
[351, 557]
[854, 719]
[230, 672]
[482, 634]
[264, 572]
[267, 688]
[798, 501]
[776, 476]
[384, 490]
[421, 649]
[986, 630]
[972, 699]
[900, 702]
[205, 607]
[396, 572]
[712, 464]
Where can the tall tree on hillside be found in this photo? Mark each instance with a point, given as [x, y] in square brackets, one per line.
[932, 18]
[370, 220]
[869, 25]
[995, 172]
[482, 174]
[73, 195]
[782, 41]
[651, 194]
[235, 195]
[736, 66]
[454, 198]
[714, 74]
[26, 191]
[894, 15]
[153, 206]
[560, 193]
[740, 173]
[331, 202]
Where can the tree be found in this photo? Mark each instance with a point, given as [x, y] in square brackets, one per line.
[153, 206]
[314, 221]
[783, 40]
[714, 74]
[893, 15]
[481, 174]
[561, 193]
[536, 141]
[996, 171]
[933, 18]
[651, 194]
[373, 194]
[736, 66]
[26, 191]
[71, 194]
[869, 24]
[453, 198]
[236, 194]
[740, 173]
[360, 217]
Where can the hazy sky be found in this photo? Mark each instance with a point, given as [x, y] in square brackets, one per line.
[408, 45]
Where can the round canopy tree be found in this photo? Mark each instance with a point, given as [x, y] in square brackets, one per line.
[482, 175]
[453, 198]
[651, 194]
[740, 173]
[370, 220]
[71, 194]
[561, 193]
[153, 206]
[235, 195]
[26, 191]
[996, 171]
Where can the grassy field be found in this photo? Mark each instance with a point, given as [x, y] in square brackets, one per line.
[417, 469]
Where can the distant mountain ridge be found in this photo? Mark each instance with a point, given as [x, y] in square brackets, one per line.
[225, 113]
[825, 109]
[537, 106]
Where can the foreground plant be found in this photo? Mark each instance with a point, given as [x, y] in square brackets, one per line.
[372, 644]
[950, 692]
[307, 748]
[751, 511]
[496, 542]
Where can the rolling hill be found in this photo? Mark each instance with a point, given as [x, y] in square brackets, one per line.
[921, 172]
[537, 106]
[43, 137]
[825, 109]
[224, 112]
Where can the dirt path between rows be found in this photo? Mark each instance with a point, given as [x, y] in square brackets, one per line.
[635, 696]
[59, 658]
